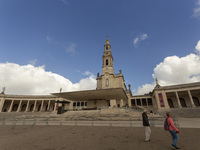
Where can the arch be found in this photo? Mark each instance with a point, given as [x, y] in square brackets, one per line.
[107, 82]
[53, 107]
[31, 107]
[106, 62]
[39, 107]
[23, 107]
[183, 103]
[46, 107]
[196, 101]
[170, 102]
[15, 106]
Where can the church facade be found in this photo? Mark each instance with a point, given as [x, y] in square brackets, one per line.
[111, 92]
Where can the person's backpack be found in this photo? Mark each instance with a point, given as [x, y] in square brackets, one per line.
[166, 126]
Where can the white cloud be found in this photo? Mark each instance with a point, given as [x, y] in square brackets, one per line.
[196, 11]
[66, 2]
[175, 70]
[70, 48]
[49, 39]
[146, 88]
[136, 40]
[144, 36]
[198, 47]
[140, 38]
[29, 79]
[86, 73]
[33, 62]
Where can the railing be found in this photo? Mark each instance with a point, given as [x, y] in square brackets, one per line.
[92, 121]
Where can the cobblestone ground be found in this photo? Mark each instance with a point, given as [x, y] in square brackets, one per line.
[92, 138]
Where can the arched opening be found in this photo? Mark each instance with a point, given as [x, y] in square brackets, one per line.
[170, 102]
[31, 107]
[183, 103]
[15, 106]
[138, 102]
[39, 107]
[23, 107]
[196, 101]
[6, 106]
[144, 102]
[132, 102]
[46, 107]
[106, 62]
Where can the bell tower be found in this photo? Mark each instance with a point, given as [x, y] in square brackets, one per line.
[107, 67]
[109, 79]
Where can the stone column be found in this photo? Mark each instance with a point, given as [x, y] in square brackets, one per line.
[113, 103]
[34, 106]
[2, 100]
[165, 99]
[154, 103]
[121, 102]
[178, 100]
[55, 106]
[157, 100]
[19, 106]
[11, 105]
[42, 105]
[191, 100]
[48, 105]
[147, 102]
[27, 105]
[141, 102]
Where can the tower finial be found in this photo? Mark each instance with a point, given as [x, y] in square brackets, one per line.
[157, 84]
[107, 41]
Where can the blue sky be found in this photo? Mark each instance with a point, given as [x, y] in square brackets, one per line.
[66, 38]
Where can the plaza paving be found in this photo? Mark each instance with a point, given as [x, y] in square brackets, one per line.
[92, 138]
[86, 134]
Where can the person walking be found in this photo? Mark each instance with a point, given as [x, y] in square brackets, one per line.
[146, 125]
[173, 131]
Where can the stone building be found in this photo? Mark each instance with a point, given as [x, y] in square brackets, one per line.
[111, 92]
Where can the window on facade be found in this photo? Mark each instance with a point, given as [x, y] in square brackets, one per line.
[78, 104]
[138, 102]
[85, 103]
[82, 103]
[106, 62]
[106, 47]
[74, 103]
[133, 102]
[107, 82]
[144, 102]
[149, 101]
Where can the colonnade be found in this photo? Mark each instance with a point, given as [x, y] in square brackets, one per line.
[186, 98]
[28, 106]
[141, 102]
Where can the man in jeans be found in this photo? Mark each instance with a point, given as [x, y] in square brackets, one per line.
[173, 131]
[146, 126]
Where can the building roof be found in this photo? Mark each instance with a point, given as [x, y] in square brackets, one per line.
[179, 86]
[99, 94]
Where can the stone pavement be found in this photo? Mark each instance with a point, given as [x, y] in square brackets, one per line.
[92, 138]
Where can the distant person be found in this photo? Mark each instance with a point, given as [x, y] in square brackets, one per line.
[146, 126]
[173, 131]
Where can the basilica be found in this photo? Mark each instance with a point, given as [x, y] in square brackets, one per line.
[111, 92]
